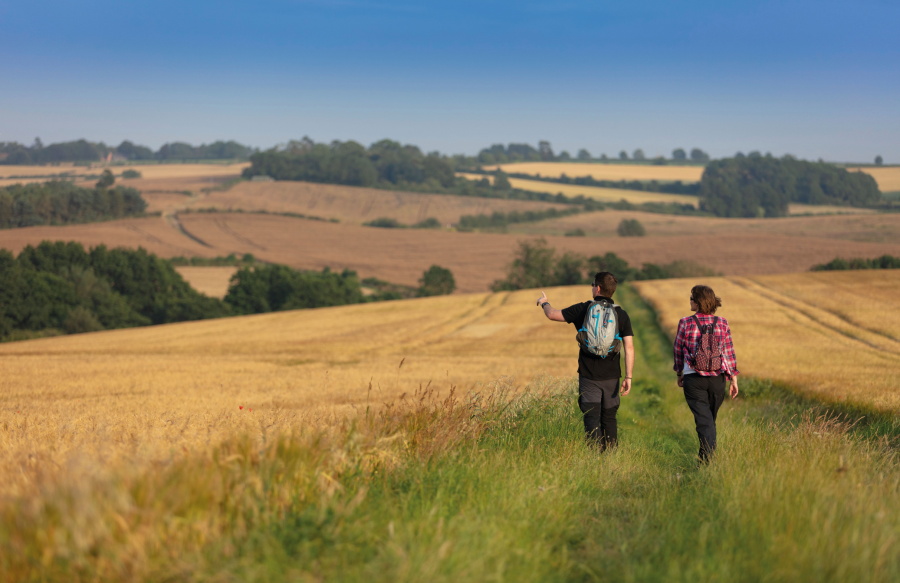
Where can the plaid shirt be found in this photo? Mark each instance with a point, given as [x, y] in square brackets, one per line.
[688, 337]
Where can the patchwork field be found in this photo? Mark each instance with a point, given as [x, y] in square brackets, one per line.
[356, 205]
[872, 227]
[134, 396]
[600, 171]
[154, 177]
[476, 259]
[833, 335]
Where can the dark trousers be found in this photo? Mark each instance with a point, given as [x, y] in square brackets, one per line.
[600, 426]
[704, 395]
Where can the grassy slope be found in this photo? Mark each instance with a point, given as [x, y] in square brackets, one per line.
[481, 493]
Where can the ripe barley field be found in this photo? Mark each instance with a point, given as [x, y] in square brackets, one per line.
[154, 177]
[605, 171]
[888, 179]
[832, 335]
[594, 192]
[91, 403]
[355, 205]
[209, 280]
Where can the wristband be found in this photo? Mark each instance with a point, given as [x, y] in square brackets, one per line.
[545, 304]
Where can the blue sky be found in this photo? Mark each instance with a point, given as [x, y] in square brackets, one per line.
[815, 79]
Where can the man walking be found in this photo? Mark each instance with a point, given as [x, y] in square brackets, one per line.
[604, 329]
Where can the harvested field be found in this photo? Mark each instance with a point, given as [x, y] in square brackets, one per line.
[83, 405]
[872, 228]
[477, 259]
[158, 202]
[833, 335]
[594, 192]
[154, 177]
[152, 233]
[600, 171]
[212, 281]
[888, 179]
[356, 205]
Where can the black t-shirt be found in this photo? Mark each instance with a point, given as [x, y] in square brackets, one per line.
[590, 365]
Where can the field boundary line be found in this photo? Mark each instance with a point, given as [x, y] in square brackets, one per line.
[229, 231]
[824, 318]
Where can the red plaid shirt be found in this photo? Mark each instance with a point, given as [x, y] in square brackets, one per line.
[688, 337]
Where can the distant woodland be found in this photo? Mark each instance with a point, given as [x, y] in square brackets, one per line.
[85, 151]
[763, 186]
[59, 288]
[60, 203]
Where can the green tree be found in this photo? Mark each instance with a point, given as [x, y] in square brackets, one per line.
[631, 228]
[106, 179]
[623, 155]
[501, 181]
[531, 267]
[436, 281]
[638, 155]
[679, 154]
[698, 155]
[584, 154]
[879, 160]
[545, 150]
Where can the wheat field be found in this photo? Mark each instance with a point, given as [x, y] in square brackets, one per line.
[888, 179]
[166, 177]
[594, 192]
[604, 171]
[833, 335]
[120, 399]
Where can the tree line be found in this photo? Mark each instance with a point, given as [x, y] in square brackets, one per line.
[536, 264]
[61, 202]
[60, 287]
[839, 264]
[500, 154]
[676, 187]
[763, 186]
[85, 151]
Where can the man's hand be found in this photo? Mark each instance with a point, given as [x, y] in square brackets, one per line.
[680, 381]
[542, 299]
[626, 387]
[733, 389]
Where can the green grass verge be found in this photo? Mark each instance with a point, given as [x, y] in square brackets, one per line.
[493, 490]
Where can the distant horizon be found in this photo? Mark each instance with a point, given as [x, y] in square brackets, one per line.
[812, 79]
[612, 156]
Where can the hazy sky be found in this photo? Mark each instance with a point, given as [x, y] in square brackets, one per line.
[812, 78]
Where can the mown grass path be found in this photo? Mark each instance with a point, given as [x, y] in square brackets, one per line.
[792, 500]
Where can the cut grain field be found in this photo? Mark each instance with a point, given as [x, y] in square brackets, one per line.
[356, 205]
[89, 403]
[593, 192]
[601, 171]
[832, 335]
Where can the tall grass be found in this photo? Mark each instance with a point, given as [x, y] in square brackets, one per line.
[497, 486]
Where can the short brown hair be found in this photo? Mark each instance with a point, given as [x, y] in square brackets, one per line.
[706, 298]
[606, 282]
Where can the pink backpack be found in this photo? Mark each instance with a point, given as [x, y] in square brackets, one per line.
[708, 357]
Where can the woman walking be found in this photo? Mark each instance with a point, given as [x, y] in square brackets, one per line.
[705, 363]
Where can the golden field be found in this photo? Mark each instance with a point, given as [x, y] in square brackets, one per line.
[165, 177]
[355, 205]
[599, 171]
[92, 403]
[832, 335]
[594, 192]
[209, 280]
[888, 179]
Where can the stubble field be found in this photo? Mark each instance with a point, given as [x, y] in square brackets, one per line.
[832, 335]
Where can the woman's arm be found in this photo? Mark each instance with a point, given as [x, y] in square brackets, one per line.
[729, 361]
[679, 348]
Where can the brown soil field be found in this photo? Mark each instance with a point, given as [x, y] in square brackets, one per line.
[477, 259]
[835, 335]
[356, 205]
[77, 407]
[601, 171]
[212, 281]
[152, 233]
[888, 179]
[871, 228]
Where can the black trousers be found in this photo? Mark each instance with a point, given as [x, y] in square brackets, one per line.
[704, 395]
[599, 402]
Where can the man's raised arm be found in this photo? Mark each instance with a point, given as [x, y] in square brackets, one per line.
[554, 315]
